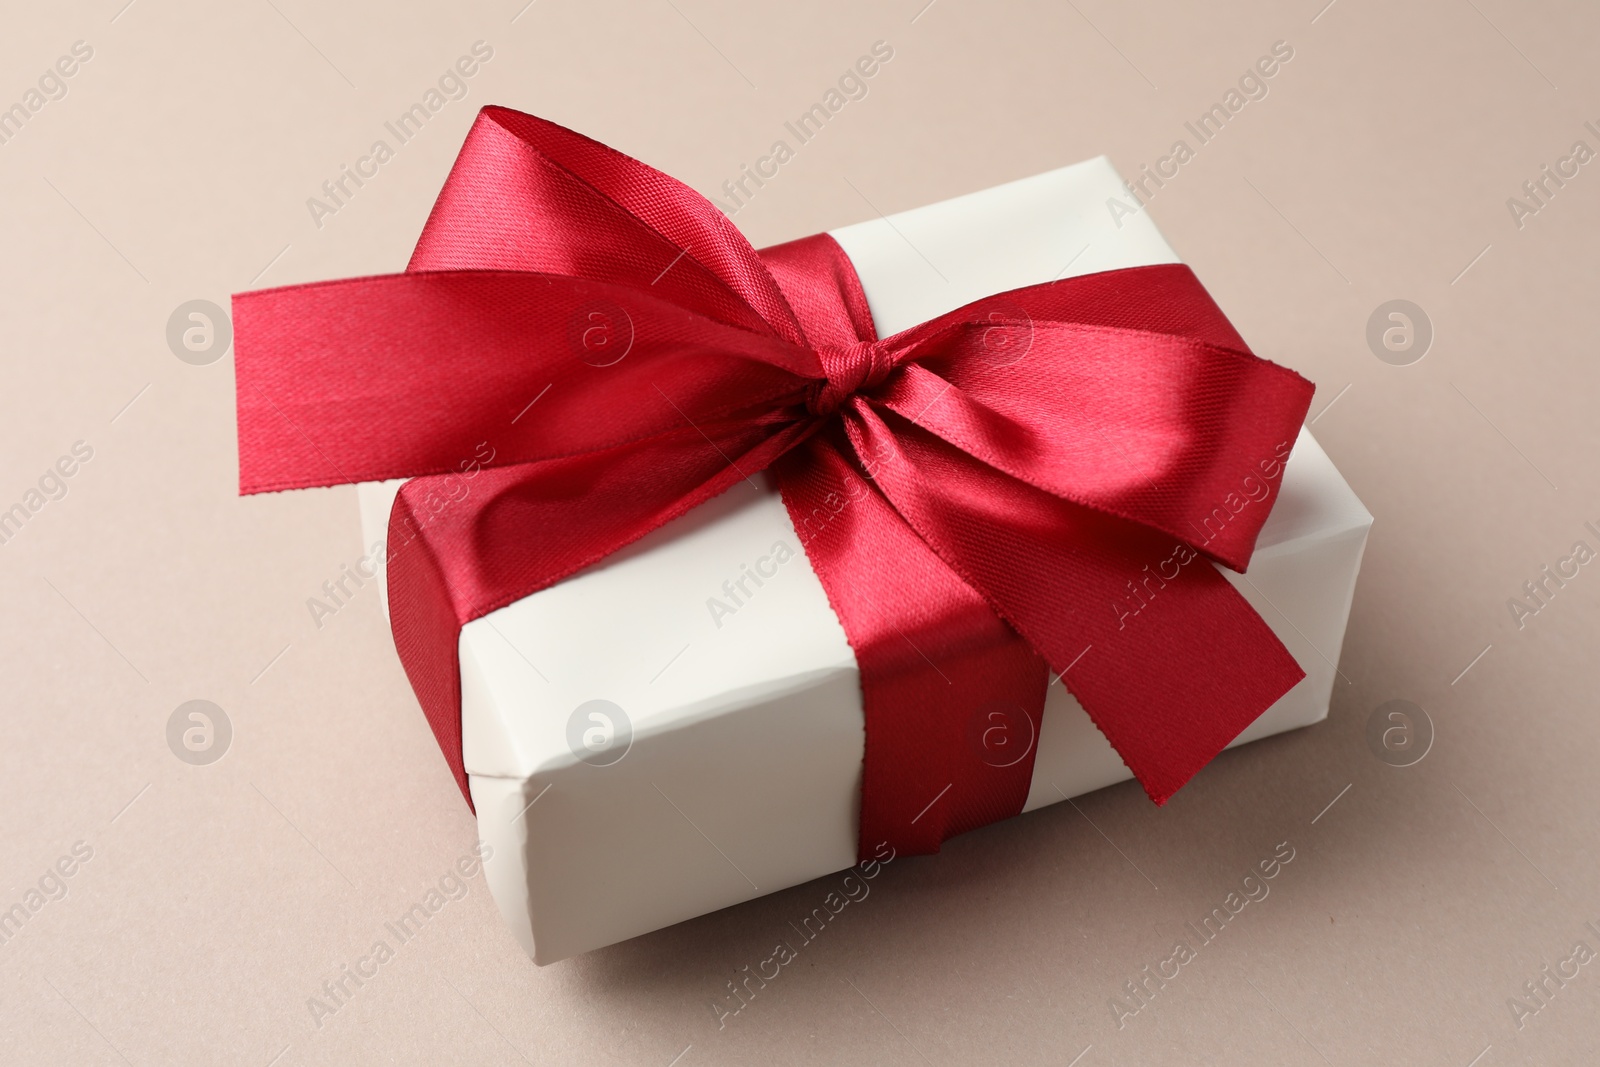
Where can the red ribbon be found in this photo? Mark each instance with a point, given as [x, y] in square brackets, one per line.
[998, 496]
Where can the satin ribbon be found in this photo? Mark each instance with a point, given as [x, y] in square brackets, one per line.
[992, 500]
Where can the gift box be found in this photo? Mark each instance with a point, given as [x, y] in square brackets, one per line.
[737, 770]
[680, 725]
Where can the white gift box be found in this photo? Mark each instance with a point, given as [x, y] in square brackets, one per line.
[740, 736]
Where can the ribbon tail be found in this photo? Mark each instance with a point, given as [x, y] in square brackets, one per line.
[1170, 662]
[411, 374]
[953, 695]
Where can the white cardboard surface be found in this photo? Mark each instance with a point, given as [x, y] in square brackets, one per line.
[744, 772]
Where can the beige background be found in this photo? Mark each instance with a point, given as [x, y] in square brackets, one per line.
[219, 898]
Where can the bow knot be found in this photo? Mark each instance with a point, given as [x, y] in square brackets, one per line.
[849, 369]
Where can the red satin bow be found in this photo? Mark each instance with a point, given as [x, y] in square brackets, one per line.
[989, 498]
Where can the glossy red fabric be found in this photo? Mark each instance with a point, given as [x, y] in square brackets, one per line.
[990, 499]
